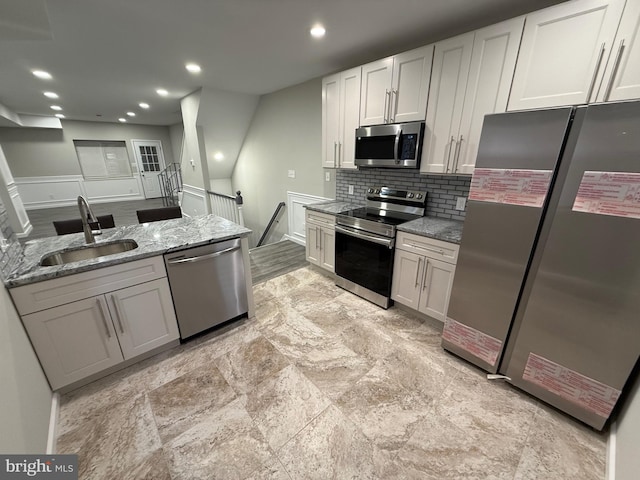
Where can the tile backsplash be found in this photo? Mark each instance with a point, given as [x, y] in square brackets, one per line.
[442, 190]
[11, 250]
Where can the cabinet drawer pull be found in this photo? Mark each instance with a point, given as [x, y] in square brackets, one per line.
[103, 314]
[116, 303]
[595, 73]
[614, 72]
[420, 247]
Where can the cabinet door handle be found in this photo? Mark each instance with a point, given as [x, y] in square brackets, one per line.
[614, 72]
[595, 73]
[317, 246]
[116, 303]
[456, 156]
[394, 102]
[425, 280]
[339, 153]
[335, 145]
[418, 272]
[103, 314]
[450, 149]
[386, 106]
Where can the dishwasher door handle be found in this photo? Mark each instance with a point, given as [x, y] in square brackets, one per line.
[203, 257]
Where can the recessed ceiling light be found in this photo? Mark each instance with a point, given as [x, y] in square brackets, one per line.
[143, 105]
[317, 31]
[51, 95]
[162, 92]
[218, 156]
[193, 68]
[122, 120]
[131, 114]
[42, 74]
[60, 115]
[56, 107]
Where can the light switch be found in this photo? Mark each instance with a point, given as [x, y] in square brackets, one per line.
[350, 189]
[460, 203]
[292, 174]
[327, 176]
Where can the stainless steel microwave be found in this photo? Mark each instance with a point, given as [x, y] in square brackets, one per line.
[390, 146]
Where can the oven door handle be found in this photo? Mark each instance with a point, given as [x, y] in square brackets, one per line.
[387, 242]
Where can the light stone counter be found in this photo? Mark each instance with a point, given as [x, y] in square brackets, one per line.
[156, 238]
[333, 207]
[434, 227]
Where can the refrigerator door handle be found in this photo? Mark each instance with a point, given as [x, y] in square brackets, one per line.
[614, 72]
[595, 73]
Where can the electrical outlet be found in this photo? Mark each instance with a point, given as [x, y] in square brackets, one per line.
[292, 174]
[461, 203]
[350, 189]
[327, 176]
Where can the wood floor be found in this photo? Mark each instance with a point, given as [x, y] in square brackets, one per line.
[276, 259]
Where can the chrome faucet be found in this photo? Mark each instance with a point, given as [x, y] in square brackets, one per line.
[86, 215]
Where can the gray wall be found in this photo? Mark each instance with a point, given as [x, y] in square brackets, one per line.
[285, 134]
[25, 396]
[33, 152]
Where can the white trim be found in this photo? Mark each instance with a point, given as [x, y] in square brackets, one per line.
[53, 424]
[294, 239]
[611, 452]
[135, 143]
[63, 190]
[296, 231]
[193, 200]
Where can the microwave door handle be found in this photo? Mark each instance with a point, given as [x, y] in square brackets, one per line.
[396, 146]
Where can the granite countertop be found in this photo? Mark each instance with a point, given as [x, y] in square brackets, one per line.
[333, 206]
[153, 239]
[434, 227]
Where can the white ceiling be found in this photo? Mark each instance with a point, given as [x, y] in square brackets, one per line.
[106, 56]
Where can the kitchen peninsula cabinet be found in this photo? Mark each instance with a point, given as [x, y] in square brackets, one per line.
[563, 53]
[320, 239]
[340, 118]
[622, 74]
[82, 324]
[471, 77]
[423, 274]
[395, 89]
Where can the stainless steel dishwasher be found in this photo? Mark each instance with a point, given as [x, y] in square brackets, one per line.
[208, 285]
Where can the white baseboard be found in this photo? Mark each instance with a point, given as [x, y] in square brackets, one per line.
[611, 452]
[294, 239]
[53, 424]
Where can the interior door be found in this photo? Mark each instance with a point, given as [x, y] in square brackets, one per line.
[150, 163]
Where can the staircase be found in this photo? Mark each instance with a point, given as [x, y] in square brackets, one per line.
[171, 184]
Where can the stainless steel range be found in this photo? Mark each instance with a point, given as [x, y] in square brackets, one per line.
[365, 241]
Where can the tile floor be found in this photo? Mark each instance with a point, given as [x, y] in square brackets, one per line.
[320, 385]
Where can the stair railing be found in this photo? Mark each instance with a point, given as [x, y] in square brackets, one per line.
[227, 206]
[270, 224]
[170, 184]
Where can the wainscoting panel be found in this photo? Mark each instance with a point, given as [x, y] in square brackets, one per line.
[296, 213]
[193, 201]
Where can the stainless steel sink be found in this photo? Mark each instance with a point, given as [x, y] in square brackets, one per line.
[87, 252]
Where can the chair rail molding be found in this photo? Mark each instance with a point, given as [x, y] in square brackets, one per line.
[193, 201]
[296, 215]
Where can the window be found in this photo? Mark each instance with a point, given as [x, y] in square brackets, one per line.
[103, 159]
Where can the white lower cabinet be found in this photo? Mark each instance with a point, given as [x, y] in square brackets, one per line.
[423, 274]
[105, 326]
[320, 239]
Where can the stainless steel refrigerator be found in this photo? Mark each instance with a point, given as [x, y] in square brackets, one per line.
[547, 284]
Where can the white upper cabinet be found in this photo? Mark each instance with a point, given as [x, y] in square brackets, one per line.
[563, 53]
[340, 117]
[330, 120]
[395, 89]
[622, 75]
[451, 62]
[493, 61]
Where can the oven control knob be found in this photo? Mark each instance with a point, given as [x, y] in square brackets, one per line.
[377, 190]
[409, 195]
[370, 190]
[419, 196]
